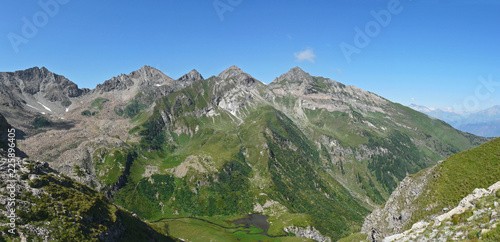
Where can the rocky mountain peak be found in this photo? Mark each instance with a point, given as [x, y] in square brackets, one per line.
[146, 76]
[192, 76]
[147, 68]
[40, 80]
[295, 74]
[34, 73]
[147, 72]
[232, 71]
[297, 70]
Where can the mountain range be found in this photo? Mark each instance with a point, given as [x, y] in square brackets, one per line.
[194, 157]
[484, 123]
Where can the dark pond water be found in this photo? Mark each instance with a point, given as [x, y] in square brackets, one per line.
[257, 220]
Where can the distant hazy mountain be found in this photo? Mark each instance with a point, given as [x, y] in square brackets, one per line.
[488, 129]
[484, 123]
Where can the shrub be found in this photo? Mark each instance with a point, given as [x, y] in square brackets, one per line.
[119, 111]
[66, 103]
[40, 122]
[78, 171]
[86, 113]
[134, 108]
[99, 102]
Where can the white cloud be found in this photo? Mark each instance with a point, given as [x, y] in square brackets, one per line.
[306, 55]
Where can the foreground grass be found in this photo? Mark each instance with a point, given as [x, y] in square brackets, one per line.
[356, 237]
[197, 230]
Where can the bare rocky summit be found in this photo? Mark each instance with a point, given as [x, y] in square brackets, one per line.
[319, 92]
[26, 93]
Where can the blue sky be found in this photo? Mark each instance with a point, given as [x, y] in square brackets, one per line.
[428, 52]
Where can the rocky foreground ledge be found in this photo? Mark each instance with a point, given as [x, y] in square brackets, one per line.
[476, 217]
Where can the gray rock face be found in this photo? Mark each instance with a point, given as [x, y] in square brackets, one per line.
[41, 82]
[479, 220]
[24, 94]
[192, 76]
[235, 73]
[233, 91]
[309, 232]
[296, 75]
[145, 85]
[318, 92]
[145, 77]
[397, 212]
[232, 71]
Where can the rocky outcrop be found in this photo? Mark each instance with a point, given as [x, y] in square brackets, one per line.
[474, 217]
[232, 91]
[468, 202]
[309, 232]
[236, 74]
[397, 212]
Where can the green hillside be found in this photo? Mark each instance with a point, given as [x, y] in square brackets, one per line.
[458, 176]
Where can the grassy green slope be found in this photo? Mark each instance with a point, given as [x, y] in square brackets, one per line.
[458, 176]
[294, 169]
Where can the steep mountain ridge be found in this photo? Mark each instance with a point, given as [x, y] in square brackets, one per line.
[147, 80]
[319, 92]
